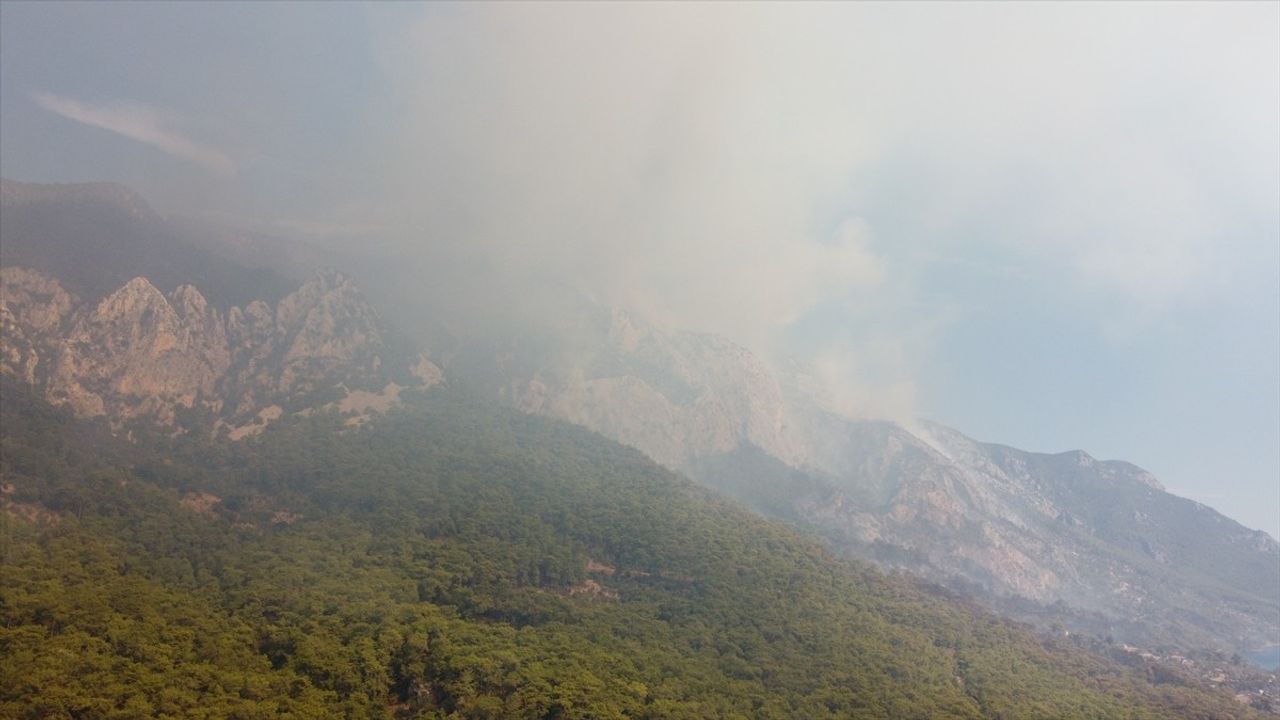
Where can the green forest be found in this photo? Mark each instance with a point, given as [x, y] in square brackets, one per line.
[455, 559]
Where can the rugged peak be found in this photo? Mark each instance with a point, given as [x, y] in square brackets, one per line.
[328, 317]
[624, 331]
[32, 305]
[36, 300]
[139, 285]
[328, 288]
[187, 297]
[1120, 469]
[675, 395]
[134, 354]
[137, 353]
[328, 279]
[196, 312]
[1080, 457]
[1147, 479]
[139, 302]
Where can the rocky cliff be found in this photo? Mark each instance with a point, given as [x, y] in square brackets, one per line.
[141, 354]
[1089, 544]
[677, 396]
[95, 237]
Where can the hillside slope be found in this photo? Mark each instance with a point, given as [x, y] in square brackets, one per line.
[1097, 546]
[461, 560]
[115, 314]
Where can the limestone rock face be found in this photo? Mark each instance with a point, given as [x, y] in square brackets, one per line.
[37, 302]
[677, 396]
[325, 327]
[33, 307]
[141, 354]
[18, 355]
[252, 330]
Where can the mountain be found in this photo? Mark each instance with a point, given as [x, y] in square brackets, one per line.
[456, 558]
[141, 354]
[1055, 539]
[676, 396]
[87, 323]
[1093, 546]
[1096, 546]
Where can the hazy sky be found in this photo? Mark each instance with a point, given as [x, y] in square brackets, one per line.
[1051, 226]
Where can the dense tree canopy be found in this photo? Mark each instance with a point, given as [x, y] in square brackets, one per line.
[457, 560]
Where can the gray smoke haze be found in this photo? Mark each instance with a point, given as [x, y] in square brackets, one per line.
[654, 157]
[709, 166]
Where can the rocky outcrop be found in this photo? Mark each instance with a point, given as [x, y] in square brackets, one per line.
[141, 354]
[319, 336]
[33, 307]
[677, 396]
[326, 329]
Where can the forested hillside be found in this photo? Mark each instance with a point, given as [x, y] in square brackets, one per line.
[109, 311]
[456, 559]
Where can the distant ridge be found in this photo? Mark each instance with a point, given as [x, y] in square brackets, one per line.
[95, 237]
[15, 194]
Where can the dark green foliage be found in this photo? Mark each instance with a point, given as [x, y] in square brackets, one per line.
[436, 565]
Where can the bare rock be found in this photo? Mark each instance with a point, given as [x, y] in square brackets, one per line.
[140, 354]
[33, 309]
[135, 354]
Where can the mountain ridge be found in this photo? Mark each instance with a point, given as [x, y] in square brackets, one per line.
[1015, 527]
[138, 353]
[927, 499]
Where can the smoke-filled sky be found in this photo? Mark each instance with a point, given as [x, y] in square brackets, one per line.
[1051, 226]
